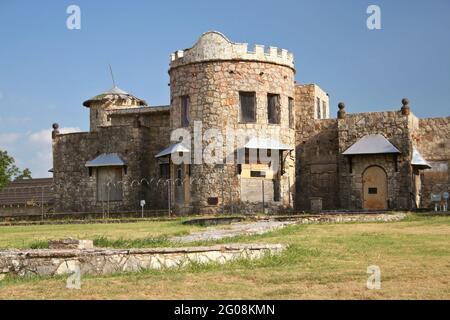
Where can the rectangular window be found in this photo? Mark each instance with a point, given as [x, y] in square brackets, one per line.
[247, 102]
[273, 108]
[109, 184]
[319, 114]
[291, 113]
[257, 174]
[185, 104]
[324, 109]
[373, 190]
[164, 171]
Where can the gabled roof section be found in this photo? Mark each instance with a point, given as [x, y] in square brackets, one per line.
[173, 148]
[106, 160]
[418, 160]
[371, 144]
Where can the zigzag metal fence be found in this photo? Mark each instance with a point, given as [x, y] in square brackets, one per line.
[42, 197]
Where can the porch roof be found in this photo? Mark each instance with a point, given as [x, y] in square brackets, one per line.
[418, 160]
[371, 144]
[106, 160]
[173, 148]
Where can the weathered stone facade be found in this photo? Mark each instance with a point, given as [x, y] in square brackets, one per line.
[208, 83]
[212, 74]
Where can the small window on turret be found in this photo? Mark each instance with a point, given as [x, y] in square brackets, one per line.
[273, 108]
[291, 113]
[185, 104]
[247, 107]
[319, 113]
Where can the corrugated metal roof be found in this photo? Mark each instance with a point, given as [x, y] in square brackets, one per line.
[418, 160]
[371, 144]
[173, 148]
[266, 143]
[106, 160]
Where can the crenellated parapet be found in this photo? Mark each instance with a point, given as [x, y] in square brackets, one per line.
[213, 46]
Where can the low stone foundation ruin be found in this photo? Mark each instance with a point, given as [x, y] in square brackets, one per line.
[51, 262]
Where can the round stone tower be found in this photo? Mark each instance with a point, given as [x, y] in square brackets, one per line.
[102, 104]
[218, 87]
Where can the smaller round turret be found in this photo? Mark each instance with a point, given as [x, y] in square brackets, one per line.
[102, 104]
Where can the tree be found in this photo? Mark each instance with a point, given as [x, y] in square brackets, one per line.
[26, 174]
[8, 169]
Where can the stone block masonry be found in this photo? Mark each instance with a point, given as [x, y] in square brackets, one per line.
[24, 263]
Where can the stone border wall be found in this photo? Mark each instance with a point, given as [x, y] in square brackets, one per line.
[106, 261]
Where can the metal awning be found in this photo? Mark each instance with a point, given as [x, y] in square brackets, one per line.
[418, 160]
[106, 160]
[371, 144]
[266, 143]
[173, 148]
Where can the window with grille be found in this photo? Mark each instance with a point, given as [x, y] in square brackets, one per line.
[273, 108]
[247, 102]
[291, 113]
[185, 104]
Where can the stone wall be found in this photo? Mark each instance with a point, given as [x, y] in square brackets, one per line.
[432, 138]
[316, 151]
[213, 82]
[396, 128]
[106, 261]
[136, 145]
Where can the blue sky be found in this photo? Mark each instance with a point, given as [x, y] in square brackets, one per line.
[47, 71]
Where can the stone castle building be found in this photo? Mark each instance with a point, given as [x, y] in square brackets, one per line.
[372, 161]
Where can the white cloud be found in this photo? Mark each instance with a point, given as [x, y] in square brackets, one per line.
[8, 139]
[40, 147]
[44, 137]
[33, 149]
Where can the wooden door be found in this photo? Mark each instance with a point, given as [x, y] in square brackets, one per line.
[375, 189]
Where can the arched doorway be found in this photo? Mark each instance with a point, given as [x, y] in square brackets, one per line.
[374, 188]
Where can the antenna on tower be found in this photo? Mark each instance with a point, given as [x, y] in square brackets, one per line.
[112, 76]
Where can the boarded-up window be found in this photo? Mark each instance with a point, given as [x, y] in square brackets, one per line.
[273, 108]
[291, 113]
[319, 113]
[109, 184]
[185, 104]
[164, 171]
[248, 106]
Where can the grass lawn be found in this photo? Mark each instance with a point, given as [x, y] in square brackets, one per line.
[27, 236]
[326, 261]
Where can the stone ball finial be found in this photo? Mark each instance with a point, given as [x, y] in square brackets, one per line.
[405, 108]
[55, 126]
[341, 111]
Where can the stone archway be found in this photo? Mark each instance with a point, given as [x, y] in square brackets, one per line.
[375, 188]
